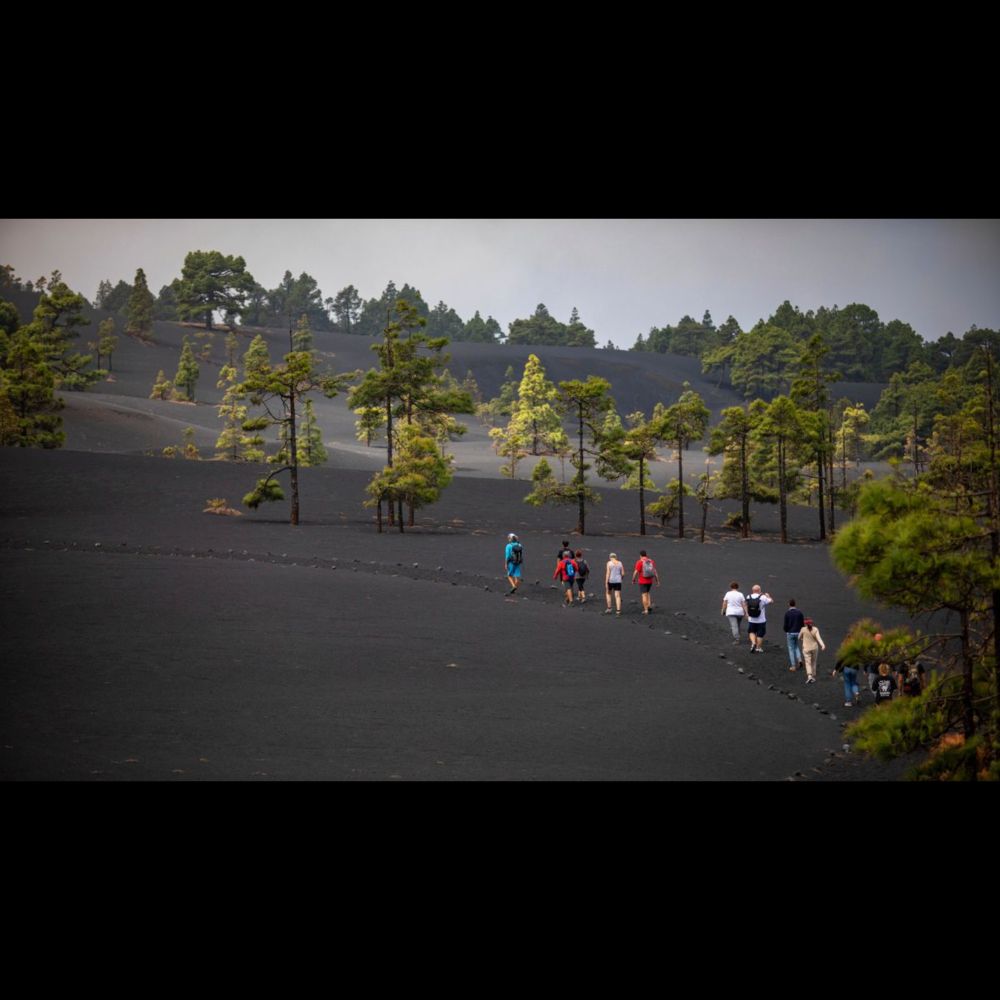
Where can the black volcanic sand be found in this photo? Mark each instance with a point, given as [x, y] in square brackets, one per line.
[144, 639]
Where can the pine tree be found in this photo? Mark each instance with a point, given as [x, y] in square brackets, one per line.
[56, 321]
[140, 309]
[418, 476]
[587, 402]
[234, 443]
[684, 422]
[810, 390]
[535, 414]
[310, 447]
[163, 388]
[211, 281]
[782, 422]
[509, 443]
[371, 419]
[186, 378]
[408, 383]
[285, 386]
[731, 437]
[257, 357]
[302, 339]
[108, 342]
[28, 404]
[639, 449]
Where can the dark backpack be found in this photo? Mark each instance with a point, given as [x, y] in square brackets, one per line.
[753, 605]
[584, 569]
[648, 569]
[515, 553]
[569, 568]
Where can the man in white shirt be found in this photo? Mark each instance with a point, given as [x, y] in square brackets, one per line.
[756, 618]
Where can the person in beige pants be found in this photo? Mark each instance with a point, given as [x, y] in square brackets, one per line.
[810, 642]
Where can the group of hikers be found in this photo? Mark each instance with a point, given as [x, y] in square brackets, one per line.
[802, 637]
[573, 570]
[804, 643]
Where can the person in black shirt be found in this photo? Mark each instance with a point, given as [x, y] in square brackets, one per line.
[885, 683]
[794, 623]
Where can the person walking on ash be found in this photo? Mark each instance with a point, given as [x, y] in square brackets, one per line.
[513, 556]
[645, 573]
[734, 607]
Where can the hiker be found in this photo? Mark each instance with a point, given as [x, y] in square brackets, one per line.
[910, 678]
[885, 683]
[614, 573]
[564, 550]
[794, 620]
[810, 642]
[871, 665]
[645, 573]
[582, 572]
[852, 693]
[734, 607]
[566, 571]
[757, 618]
[513, 554]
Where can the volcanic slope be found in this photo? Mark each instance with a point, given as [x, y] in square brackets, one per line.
[146, 639]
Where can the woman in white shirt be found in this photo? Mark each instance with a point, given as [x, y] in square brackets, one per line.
[734, 607]
[613, 575]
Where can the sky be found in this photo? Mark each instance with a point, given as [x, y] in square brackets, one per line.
[623, 275]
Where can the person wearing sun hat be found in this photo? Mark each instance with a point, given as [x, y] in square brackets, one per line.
[513, 555]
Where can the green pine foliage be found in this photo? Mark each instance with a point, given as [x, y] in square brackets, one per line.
[186, 379]
[302, 338]
[141, 305]
[542, 328]
[265, 491]
[211, 281]
[28, 403]
[586, 402]
[163, 388]
[310, 441]
[417, 477]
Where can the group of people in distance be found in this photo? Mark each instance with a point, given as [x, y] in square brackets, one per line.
[802, 637]
[804, 643]
[573, 570]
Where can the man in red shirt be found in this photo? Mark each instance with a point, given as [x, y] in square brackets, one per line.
[566, 570]
[645, 573]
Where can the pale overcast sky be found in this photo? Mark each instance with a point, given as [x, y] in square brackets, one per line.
[623, 275]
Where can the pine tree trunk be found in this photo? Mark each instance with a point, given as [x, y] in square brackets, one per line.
[388, 448]
[582, 509]
[680, 488]
[642, 498]
[831, 481]
[820, 465]
[380, 516]
[994, 512]
[293, 450]
[400, 516]
[782, 495]
[745, 486]
[968, 716]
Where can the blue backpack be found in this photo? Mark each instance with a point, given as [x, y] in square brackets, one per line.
[569, 568]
